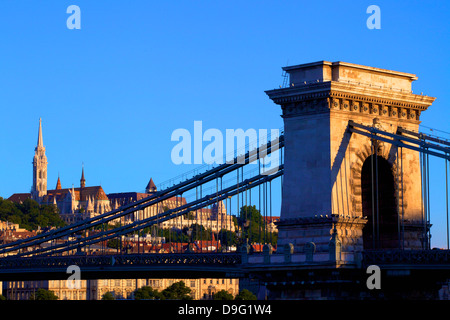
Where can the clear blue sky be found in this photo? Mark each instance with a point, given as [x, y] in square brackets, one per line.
[111, 94]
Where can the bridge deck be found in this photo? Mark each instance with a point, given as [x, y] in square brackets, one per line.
[203, 265]
[170, 265]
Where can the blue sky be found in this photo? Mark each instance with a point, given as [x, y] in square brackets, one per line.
[111, 94]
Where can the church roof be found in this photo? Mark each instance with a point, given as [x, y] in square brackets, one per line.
[81, 194]
[19, 197]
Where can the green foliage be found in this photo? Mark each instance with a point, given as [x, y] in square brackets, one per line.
[108, 296]
[245, 295]
[228, 238]
[2, 298]
[199, 232]
[29, 214]
[43, 294]
[177, 291]
[251, 223]
[223, 295]
[173, 235]
[147, 293]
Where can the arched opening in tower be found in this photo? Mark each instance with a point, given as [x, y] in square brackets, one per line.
[379, 204]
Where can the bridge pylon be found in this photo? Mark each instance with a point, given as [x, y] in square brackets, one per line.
[344, 192]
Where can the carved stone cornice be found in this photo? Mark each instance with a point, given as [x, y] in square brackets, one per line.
[322, 97]
[397, 98]
[322, 219]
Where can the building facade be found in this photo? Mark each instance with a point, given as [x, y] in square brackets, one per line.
[201, 289]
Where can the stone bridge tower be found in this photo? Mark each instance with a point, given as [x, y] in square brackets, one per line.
[327, 201]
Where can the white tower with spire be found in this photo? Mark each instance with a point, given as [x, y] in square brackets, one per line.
[39, 188]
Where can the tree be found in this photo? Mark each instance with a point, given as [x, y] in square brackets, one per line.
[177, 291]
[223, 295]
[253, 226]
[228, 238]
[147, 293]
[43, 294]
[108, 296]
[199, 232]
[30, 215]
[245, 295]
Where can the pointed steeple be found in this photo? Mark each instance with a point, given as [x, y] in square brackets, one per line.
[82, 180]
[58, 184]
[151, 187]
[40, 142]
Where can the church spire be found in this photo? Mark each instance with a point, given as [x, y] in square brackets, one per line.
[58, 184]
[40, 142]
[82, 180]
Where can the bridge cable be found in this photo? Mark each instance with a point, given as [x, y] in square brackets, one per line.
[446, 200]
[151, 200]
[170, 214]
[159, 196]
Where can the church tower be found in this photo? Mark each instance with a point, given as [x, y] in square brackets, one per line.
[39, 188]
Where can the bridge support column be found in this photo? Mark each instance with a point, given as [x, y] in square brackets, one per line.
[325, 186]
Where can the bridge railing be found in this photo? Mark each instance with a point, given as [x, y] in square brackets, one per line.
[406, 257]
[12, 263]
